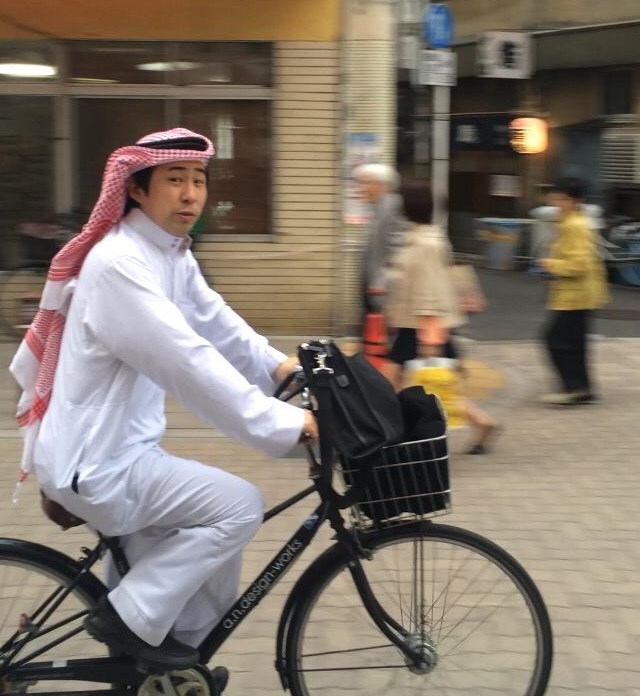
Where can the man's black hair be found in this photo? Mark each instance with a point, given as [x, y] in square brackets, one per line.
[570, 186]
[141, 179]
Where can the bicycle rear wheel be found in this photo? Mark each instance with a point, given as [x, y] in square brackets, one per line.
[30, 576]
[465, 604]
[20, 291]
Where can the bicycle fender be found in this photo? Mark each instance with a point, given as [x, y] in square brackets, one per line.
[320, 567]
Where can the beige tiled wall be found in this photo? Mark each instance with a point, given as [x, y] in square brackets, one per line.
[286, 284]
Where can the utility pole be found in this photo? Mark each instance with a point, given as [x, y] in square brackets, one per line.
[438, 70]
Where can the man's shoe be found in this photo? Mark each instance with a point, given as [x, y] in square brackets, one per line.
[585, 397]
[219, 679]
[560, 399]
[104, 624]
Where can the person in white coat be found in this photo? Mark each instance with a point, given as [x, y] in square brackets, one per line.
[142, 321]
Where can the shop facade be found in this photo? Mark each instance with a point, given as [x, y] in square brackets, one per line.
[584, 82]
[273, 83]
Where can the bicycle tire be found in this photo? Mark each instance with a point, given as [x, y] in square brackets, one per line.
[20, 290]
[472, 640]
[28, 574]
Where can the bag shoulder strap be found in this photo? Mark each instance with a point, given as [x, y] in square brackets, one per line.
[318, 375]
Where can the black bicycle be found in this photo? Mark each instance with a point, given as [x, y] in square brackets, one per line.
[398, 604]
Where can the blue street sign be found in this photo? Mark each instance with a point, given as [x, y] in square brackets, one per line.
[437, 25]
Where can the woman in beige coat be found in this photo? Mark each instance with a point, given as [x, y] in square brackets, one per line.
[422, 305]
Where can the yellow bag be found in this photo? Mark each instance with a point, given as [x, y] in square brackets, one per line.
[439, 376]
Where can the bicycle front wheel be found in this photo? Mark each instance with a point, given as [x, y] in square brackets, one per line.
[33, 583]
[464, 604]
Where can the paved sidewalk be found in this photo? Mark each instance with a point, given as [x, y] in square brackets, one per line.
[560, 491]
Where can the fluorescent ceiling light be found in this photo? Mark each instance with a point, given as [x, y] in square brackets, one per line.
[94, 80]
[28, 70]
[115, 49]
[166, 67]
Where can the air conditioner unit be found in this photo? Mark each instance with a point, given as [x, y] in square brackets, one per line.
[620, 156]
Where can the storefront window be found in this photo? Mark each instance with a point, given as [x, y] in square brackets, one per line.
[176, 63]
[26, 157]
[225, 63]
[102, 126]
[239, 174]
[110, 62]
[111, 93]
[26, 167]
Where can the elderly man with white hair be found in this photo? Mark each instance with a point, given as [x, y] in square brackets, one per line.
[378, 184]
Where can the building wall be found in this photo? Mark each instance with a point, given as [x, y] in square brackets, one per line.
[288, 284]
[334, 75]
[474, 16]
[584, 11]
[198, 20]
[569, 96]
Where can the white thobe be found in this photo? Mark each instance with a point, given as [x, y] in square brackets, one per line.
[143, 322]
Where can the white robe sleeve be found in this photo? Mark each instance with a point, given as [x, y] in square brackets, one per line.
[134, 320]
[211, 317]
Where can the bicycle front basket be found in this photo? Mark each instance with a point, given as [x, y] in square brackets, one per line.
[400, 482]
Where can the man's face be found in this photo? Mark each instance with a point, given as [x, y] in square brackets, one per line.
[177, 194]
[565, 203]
[370, 190]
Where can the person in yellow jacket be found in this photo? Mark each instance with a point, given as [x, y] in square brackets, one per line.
[577, 286]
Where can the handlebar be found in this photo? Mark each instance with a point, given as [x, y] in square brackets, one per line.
[291, 386]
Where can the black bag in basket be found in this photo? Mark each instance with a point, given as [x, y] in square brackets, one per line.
[410, 477]
[359, 409]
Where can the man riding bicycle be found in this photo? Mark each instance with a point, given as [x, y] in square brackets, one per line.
[142, 322]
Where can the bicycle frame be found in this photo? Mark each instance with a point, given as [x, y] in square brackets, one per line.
[122, 670]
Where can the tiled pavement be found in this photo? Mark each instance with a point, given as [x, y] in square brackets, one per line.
[560, 491]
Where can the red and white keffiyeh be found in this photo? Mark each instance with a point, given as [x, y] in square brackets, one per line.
[34, 364]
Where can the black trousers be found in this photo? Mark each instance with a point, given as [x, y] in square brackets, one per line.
[405, 347]
[565, 336]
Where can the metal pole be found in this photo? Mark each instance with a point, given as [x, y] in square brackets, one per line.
[440, 155]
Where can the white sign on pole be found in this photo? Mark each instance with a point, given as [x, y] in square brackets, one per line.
[408, 52]
[505, 54]
[438, 68]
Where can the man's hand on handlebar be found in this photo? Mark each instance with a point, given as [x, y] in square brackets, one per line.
[309, 432]
[285, 368]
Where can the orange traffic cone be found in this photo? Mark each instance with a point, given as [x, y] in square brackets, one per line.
[374, 340]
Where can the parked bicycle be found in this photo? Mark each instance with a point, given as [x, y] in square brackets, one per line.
[398, 604]
[21, 286]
